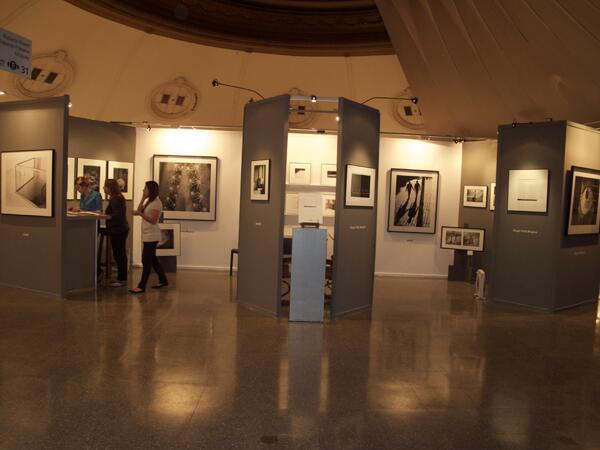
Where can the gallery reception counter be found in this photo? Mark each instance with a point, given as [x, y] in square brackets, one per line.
[81, 252]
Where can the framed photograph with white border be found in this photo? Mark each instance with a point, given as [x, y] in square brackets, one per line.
[528, 190]
[413, 200]
[493, 197]
[299, 173]
[170, 240]
[360, 186]
[470, 239]
[475, 196]
[328, 204]
[27, 183]
[123, 173]
[584, 214]
[328, 174]
[94, 170]
[187, 186]
[259, 179]
[70, 178]
[291, 204]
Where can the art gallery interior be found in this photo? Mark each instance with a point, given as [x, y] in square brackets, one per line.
[380, 225]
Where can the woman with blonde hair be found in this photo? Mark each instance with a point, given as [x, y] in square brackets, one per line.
[117, 228]
[90, 199]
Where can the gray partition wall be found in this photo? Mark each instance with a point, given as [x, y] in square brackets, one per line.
[355, 227]
[261, 222]
[31, 248]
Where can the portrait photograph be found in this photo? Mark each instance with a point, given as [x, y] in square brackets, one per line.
[259, 180]
[583, 211]
[94, 170]
[170, 240]
[123, 173]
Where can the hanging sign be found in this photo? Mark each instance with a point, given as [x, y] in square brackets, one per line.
[15, 53]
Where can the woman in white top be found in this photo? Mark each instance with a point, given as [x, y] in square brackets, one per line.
[150, 209]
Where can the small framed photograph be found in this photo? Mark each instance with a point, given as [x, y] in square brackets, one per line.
[299, 173]
[528, 190]
[413, 201]
[360, 186]
[328, 174]
[123, 173]
[70, 178]
[94, 170]
[291, 204]
[475, 196]
[584, 215]
[259, 179]
[328, 205]
[493, 197]
[454, 238]
[170, 240]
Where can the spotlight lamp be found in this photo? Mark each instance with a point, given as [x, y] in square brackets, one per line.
[313, 98]
[415, 100]
[215, 82]
[514, 124]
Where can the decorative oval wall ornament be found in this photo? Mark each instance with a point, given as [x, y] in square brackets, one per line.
[51, 75]
[175, 99]
[299, 117]
[407, 113]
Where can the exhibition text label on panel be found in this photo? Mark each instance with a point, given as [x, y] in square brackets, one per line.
[15, 53]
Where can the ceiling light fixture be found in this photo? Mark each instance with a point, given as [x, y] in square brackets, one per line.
[313, 98]
[70, 104]
[217, 83]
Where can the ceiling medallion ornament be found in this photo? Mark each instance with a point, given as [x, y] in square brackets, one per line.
[299, 117]
[175, 99]
[51, 75]
[407, 113]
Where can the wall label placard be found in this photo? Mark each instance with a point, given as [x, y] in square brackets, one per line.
[258, 224]
[15, 53]
[517, 230]
[580, 253]
[358, 227]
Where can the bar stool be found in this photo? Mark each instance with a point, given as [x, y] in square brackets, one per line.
[108, 253]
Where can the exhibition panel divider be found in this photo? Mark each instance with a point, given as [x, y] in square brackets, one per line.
[264, 150]
[356, 208]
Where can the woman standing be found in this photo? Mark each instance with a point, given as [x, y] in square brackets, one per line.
[117, 228]
[150, 209]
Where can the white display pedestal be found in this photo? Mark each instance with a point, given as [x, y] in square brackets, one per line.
[309, 251]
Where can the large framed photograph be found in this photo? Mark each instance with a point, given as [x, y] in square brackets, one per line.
[475, 196]
[413, 200]
[328, 174]
[123, 173]
[360, 186]
[259, 179]
[528, 190]
[454, 238]
[70, 178]
[328, 205]
[27, 183]
[94, 170]
[299, 173]
[584, 215]
[187, 186]
[170, 240]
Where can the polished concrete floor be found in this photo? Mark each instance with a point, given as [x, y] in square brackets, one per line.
[427, 368]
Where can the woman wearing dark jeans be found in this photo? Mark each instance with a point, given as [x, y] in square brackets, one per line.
[117, 228]
[150, 209]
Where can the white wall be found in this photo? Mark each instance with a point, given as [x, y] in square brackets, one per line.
[411, 253]
[207, 244]
[203, 244]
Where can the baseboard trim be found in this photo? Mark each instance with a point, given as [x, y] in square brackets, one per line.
[35, 291]
[410, 275]
[199, 268]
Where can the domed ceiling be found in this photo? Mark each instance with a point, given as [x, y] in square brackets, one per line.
[294, 27]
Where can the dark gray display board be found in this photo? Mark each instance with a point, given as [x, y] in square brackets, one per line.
[31, 248]
[261, 222]
[355, 227]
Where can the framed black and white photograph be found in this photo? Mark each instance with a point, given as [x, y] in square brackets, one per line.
[328, 174]
[413, 200]
[187, 186]
[328, 205]
[94, 170]
[291, 204]
[475, 196]
[170, 240]
[583, 206]
[299, 173]
[528, 190]
[27, 183]
[493, 197]
[123, 173]
[70, 178]
[454, 238]
[259, 179]
[360, 186]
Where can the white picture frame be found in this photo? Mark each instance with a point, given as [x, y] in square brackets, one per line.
[70, 178]
[310, 208]
[584, 210]
[528, 190]
[328, 174]
[493, 197]
[260, 172]
[94, 170]
[475, 196]
[470, 239]
[27, 183]
[291, 204]
[328, 207]
[360, 186]
[299, 173]
[170, 242]
[123, 173]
